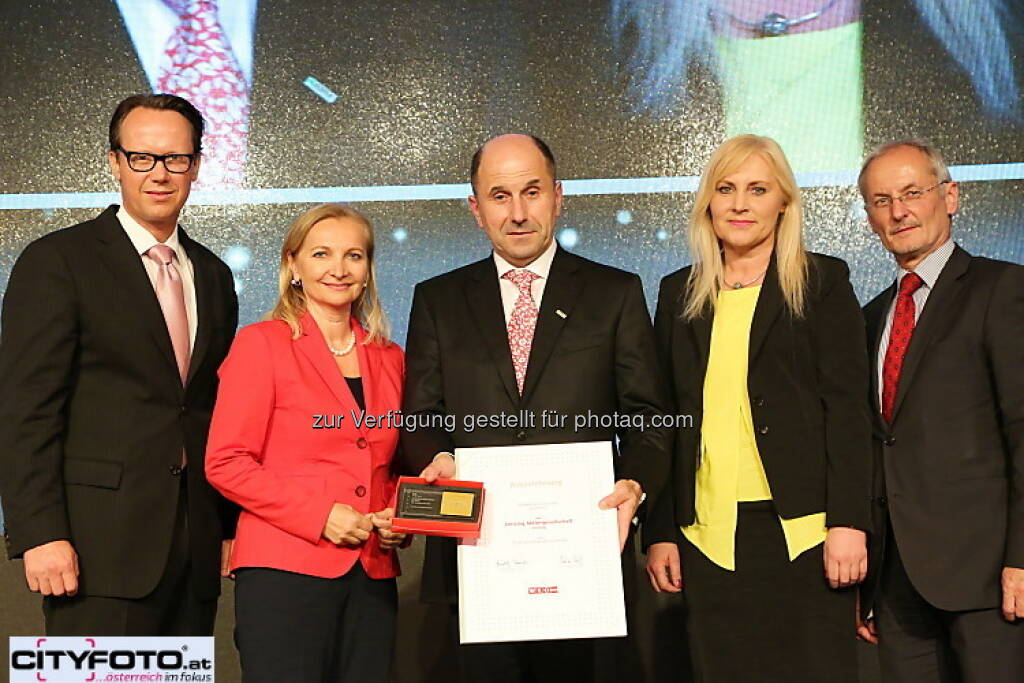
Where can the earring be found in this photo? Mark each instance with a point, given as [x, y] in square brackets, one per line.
[296, 282]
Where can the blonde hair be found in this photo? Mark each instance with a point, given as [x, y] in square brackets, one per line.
[291, 300]
[708, 270]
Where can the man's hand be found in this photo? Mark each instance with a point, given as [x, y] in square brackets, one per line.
[663, 567]
[867, 629]
[1013, 593]
[52, 568]
[388, 539]
[441, 467]
[346, 526]
[846, 556]
[625, 497]
[226, 547]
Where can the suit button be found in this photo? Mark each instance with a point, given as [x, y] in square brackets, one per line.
[520, 435]
[759, 402]
[360, 490]
[175, 470]
[882, 501]
[890, 441]
[763, 429]
[361, 442]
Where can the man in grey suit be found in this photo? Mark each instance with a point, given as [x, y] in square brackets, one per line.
[947, 340]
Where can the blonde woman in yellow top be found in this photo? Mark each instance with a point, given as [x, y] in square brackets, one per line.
[763, 520]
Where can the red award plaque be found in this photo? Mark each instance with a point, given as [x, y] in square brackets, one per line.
[448, 507]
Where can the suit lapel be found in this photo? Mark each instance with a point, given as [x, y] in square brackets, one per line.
[483, 298]
[875, 315]
[560, 294]
[203, 277]
[769, 305]
[124, 263]
[369, 365]
[939, 309]
[312, 345]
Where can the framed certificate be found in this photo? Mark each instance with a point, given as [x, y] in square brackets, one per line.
[546, 565]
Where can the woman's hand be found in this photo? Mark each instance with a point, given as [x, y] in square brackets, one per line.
[846, 556]
[388, 539]
[346, 526]
[664, 568]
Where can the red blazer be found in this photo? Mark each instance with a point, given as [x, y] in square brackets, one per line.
[284, 446]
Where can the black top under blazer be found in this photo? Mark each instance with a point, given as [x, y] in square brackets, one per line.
[806, 378]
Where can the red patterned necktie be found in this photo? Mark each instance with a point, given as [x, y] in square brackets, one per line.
[522, 322]
[899, 339]
[198, 64]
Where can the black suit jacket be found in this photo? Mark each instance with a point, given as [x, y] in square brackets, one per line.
[950, 467]
[805, 379]
[598, 357]
[93, 414]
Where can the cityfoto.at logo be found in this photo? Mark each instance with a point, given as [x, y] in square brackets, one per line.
[102, 659]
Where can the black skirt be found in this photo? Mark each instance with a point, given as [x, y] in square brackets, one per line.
[771, 619]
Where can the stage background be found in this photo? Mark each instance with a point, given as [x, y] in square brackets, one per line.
[631, 96]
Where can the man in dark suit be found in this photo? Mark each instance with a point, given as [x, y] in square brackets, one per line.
[113, 330]
[530, 327]
[946, 338]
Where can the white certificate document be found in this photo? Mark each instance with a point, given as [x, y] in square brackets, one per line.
[546, 565]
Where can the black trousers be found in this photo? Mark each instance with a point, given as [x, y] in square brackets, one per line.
[533, 661]
[771, 620]
[919, 643]
[294, 628]
[172, 609]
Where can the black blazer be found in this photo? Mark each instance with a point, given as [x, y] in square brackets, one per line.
[806, 378]
[93, 415]
[599, 356]
[950, 467]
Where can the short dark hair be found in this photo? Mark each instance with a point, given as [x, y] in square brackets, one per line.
[474, 165]
[163, 102]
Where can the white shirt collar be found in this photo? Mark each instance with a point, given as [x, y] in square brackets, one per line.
[143, 239]
[931, 267]
[539, 266]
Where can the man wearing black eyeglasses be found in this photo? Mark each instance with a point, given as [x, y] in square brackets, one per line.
[946, 581]
[112, 333]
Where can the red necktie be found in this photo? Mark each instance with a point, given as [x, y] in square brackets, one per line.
[899, 339]
[522, 322]
[198, 64]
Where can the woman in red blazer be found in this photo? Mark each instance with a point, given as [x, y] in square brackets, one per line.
[314, 560]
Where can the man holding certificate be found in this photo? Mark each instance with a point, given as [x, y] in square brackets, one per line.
[530, 346]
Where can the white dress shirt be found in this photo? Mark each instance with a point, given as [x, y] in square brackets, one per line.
[928, 270]
[151, 23]
[509, 292]
[142, 240]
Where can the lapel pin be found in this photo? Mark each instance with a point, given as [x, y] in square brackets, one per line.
[560, 313]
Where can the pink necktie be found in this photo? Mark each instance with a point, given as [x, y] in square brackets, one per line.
[198, 64]
[171, 295]
[522, 322]
[899, 340]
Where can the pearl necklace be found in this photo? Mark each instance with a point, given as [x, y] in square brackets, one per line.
[347, 349]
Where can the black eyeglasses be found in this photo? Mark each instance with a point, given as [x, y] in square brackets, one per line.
[143, 162]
